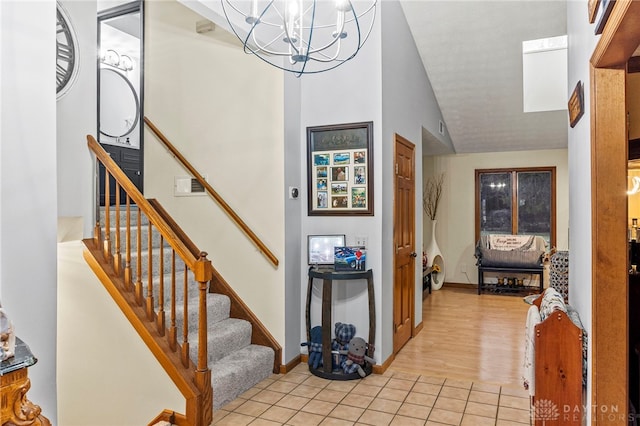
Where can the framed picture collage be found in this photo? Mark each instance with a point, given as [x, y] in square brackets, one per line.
[339, 170]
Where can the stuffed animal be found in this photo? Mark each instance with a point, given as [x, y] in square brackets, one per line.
[315, 347]
[343, 333]
[356, 357]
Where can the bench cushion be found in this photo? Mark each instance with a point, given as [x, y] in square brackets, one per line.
[529, 258]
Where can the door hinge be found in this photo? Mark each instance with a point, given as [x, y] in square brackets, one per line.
[396, 168]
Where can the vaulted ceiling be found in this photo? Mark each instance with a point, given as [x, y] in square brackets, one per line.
[472, 52]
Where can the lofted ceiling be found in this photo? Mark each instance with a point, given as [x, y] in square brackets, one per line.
[472, 52]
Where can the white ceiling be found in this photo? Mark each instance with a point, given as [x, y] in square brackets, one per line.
[472, 52]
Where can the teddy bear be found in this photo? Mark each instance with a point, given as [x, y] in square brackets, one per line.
[343, 333]
[356, 357]
[315, 347]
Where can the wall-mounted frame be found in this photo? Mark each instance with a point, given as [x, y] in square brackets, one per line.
[576, 104]
[340, 169]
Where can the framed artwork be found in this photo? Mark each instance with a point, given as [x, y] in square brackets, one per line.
[576, 104]
[340, 169]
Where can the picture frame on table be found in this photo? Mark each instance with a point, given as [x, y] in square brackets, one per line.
[342, 155]
[321, 248]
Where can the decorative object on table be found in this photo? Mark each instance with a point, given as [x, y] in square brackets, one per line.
[340, 169]
[303, 36]
[315, 347]
[7, 336]
[343, 334]
[350, 259]
[320, 248]
[559, 273]
[356, 357]
[430, 201]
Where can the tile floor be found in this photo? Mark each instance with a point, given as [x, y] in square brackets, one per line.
[393, 398]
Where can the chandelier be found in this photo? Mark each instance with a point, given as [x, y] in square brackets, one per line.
[301, 36]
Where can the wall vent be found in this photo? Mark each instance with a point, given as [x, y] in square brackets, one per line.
[441, 127]
[187, 186]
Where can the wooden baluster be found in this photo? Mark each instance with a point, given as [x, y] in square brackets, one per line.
[127, 264]
[160, 320]
[173, 329]
[106, 249]
[203, 274]
[117, 260]
[138, 287]
[150, 312]
[185, 320]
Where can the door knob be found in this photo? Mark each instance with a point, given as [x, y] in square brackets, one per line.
[413, 254]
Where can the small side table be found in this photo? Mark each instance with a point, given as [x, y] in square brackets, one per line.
[16, 409]
[329, 275]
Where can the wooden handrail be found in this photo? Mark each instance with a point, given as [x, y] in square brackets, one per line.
[212, 192]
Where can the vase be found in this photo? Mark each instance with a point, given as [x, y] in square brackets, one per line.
[435, 258]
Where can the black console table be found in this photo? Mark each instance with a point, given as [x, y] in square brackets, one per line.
[328, 275]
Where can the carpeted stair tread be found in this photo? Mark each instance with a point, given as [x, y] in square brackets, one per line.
[239, 371]
[224, 337]
[123, 215]
[156, 263]
[144, 237]
[218, 307]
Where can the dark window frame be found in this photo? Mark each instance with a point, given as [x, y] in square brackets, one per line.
[514, 197]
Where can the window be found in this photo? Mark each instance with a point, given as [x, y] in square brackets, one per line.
[516, 201]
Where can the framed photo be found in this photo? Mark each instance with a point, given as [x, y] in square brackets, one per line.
[350, 258]
[340, 169]
[576, 105]
[321, 248]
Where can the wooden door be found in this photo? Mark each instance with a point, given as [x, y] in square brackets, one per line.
[404, 243]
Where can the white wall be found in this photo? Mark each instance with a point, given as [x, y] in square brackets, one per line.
[455, 230]
[223, 110]
[582, 41]
[76, 118]
[408, 106]
[28, 195]
[337, 97]
[101, 357]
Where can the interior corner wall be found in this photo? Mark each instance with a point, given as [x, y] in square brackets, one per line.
[455, 231]
[76, 114]
[223, 110]
[408, 105]
[348, 94]
[28, 198]
[582, 42]
[294, 243]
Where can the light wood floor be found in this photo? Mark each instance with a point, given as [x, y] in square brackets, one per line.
[470, 337]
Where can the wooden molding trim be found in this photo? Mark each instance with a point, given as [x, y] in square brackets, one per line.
[468, 286]
[380, 369]
[285, 368]
[620, 37]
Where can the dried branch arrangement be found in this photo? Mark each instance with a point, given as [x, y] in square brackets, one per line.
[431, 195]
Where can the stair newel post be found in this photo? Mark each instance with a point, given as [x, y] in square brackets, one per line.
[203, 274]
[117, 260]
[160, 318]
[150, 312]
[138, 286]
[127, 263]
[106, 249]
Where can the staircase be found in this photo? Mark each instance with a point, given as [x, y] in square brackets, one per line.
[236, 364]
[208, 341]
